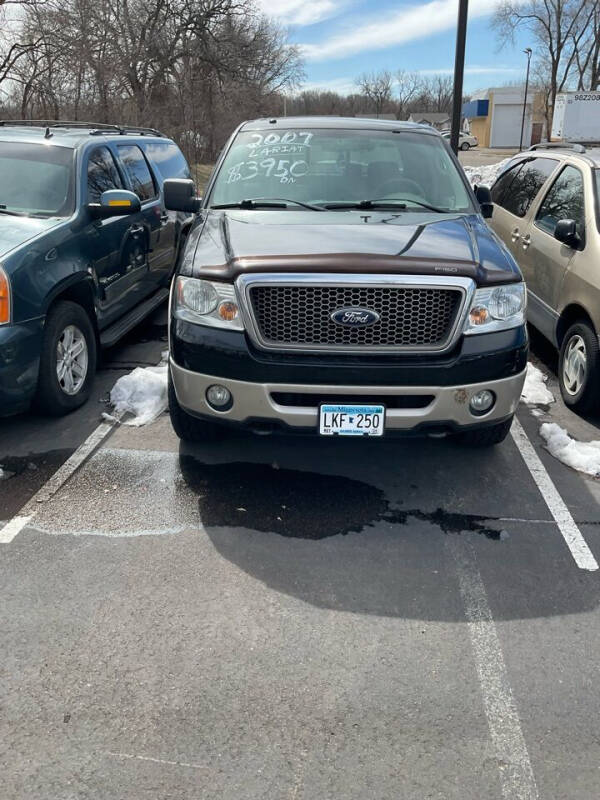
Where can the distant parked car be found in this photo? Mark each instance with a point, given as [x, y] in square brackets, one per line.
[546, 212]
[87, 250]
[465, 140]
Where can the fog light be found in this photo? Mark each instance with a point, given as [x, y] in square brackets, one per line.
[481, 402]
[219, 397]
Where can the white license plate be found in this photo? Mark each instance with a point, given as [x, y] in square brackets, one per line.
[337, 420]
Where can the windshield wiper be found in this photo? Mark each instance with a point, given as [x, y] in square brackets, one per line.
[5, 210]
[267, 202]
[400, 202]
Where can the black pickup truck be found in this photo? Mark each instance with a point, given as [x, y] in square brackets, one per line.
[340, 279]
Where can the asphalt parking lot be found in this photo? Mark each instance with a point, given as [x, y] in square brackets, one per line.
[293, 618]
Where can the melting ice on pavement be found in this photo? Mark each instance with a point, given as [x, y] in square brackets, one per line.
[142, 392]
[582, 456]
[535, 391]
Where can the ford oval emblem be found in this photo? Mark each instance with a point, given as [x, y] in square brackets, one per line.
[355, 317]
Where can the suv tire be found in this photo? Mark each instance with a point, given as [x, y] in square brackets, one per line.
[68, 346]
[486, 437]
[579, 368]
[189, 428]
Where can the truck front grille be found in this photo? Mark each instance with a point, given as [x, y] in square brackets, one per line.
[418, 317]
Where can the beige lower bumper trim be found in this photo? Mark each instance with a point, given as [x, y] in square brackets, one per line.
[254, 400]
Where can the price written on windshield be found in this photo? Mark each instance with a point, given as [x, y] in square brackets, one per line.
[283, 169]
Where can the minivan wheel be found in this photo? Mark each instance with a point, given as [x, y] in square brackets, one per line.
[189, 428]
[579, 368]
[465, 146]
[486, 437]
[67, 360]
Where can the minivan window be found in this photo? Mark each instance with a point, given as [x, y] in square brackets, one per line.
[565, 200]
[168, 159]
[36, 179]
[102, 174]
[317, 166]
[138, 171]
[520, 194]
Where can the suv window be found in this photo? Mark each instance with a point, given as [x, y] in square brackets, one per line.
[138, 171]
[565, 200]
[169, 159]
[102, 174]
[503, 183]
[522, 190]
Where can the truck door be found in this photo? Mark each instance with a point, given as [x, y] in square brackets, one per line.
[115, 247]
[158, 224]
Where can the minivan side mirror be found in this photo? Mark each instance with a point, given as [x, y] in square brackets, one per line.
[484, 198]
[180, 195]
[566, 232]
[115, 203]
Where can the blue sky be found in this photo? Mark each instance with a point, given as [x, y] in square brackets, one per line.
[340, 39]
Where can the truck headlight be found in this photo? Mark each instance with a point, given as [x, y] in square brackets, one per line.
[497, 308]
[206, 303]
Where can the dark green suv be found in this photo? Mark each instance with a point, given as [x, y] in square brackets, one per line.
[87, 250]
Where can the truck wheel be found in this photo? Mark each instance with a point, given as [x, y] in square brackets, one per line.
[579, 368]
[486, 437]
[189, 428]
[465, 146]
[67, 360]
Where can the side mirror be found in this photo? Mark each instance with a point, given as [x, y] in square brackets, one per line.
[180, 195]
[115, 203]
[484, 198]
[566, 232]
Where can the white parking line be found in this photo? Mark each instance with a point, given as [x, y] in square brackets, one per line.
[58, 479]
[580, 551]
[516, 775]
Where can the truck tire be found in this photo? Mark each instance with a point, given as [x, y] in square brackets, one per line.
[189, 428]
[67, 360]
[579, 368]
[486, 437]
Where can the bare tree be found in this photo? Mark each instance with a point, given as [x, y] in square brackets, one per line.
[407, 87]
[377, 88]
[557, 27]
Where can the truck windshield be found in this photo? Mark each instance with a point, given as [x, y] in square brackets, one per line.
[325, 166]
[36, 179]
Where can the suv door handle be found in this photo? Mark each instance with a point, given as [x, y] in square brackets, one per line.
[164, 217]
[526, 241]
[136, 229]
[514, 235]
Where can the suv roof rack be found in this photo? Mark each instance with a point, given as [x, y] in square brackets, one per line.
[95, 128]
[578, 148]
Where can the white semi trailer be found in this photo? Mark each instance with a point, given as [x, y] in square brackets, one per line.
[576, 117]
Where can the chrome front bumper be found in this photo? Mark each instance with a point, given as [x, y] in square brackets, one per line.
[253, 401]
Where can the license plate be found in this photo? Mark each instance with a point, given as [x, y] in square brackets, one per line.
[337, 420]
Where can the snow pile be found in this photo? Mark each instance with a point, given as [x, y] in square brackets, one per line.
[535, 391]
[142, 392]
[582, 456]
[485, 174]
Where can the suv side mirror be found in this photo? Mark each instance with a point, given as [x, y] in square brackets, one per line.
[484, 198]
[180, 195]
[115, 203]
[566, 232]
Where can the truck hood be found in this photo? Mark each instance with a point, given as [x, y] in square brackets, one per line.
[15, 231]
[234, 243]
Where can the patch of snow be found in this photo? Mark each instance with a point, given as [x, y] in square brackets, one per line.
[582, 456]
[110, 418]
[164, 357]
[143, 392]
[485, 174]
[535, 391]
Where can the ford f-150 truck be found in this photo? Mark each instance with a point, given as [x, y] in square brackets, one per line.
[340, 279]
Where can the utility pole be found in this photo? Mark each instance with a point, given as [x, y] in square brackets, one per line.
[459, 71]
[528, 52]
